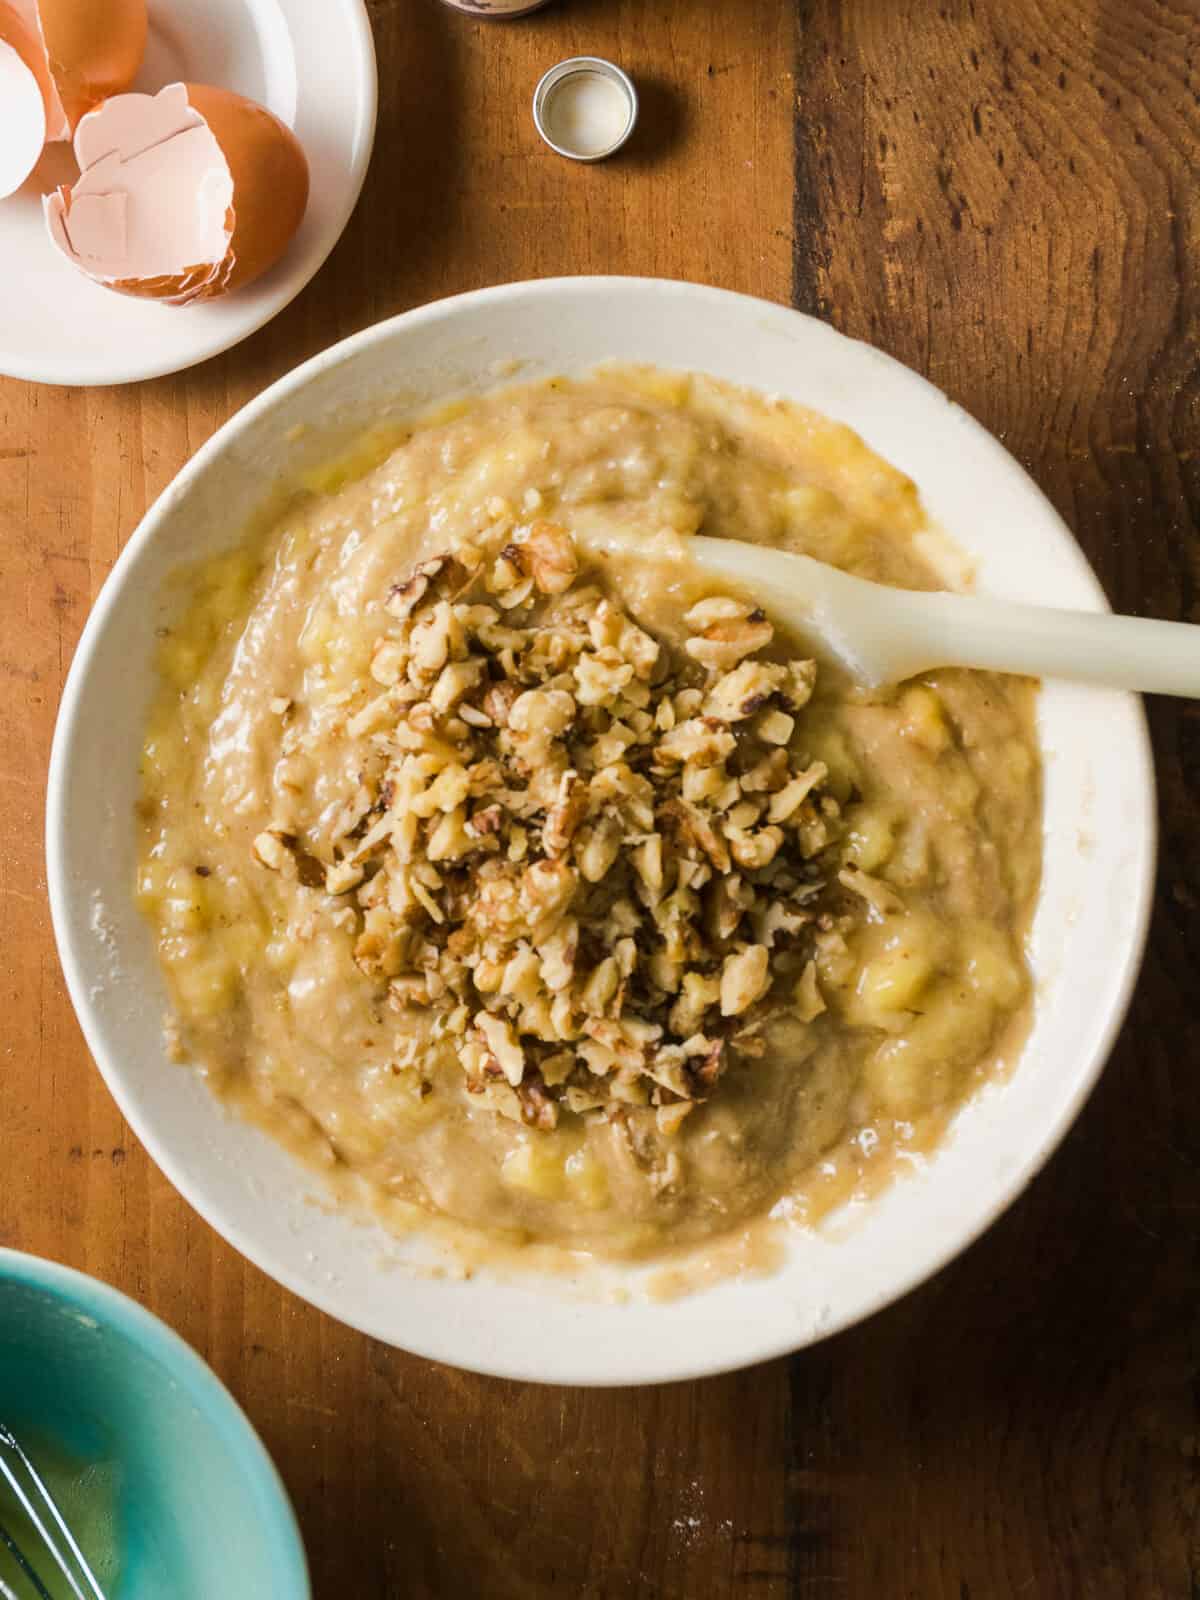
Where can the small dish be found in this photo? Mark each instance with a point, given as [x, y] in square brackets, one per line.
[1087, 938]
[199, 1507]
[315, 68]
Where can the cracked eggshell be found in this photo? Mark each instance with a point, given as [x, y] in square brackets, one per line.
[182, 195]
[91, 49]
[270, 178]
[26, 104]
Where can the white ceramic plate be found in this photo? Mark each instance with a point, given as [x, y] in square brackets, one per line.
[1087, 938]
[312, 62]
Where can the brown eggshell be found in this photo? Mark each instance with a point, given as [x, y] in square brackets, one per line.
[94, 47]
[270, 179]
[182, 195]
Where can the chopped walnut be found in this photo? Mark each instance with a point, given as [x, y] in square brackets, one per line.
[704, 740]
[271, 849]
[550, 553]
[744, 691]
[725, 631]
[565, 815]
[501, 1042]
[745, 978]
[597, 863]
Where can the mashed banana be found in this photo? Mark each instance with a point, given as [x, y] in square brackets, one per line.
[552, 890]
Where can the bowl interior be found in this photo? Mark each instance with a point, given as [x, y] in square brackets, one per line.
[1086, 941]
[199, 1508]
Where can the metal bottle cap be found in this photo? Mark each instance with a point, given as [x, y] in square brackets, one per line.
[585, 108]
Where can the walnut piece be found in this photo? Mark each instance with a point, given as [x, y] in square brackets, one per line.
[594, 862]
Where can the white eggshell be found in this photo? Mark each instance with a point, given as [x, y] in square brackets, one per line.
[22, 121]
[57, 127]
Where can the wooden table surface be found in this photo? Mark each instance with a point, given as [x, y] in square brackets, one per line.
[1003, 194]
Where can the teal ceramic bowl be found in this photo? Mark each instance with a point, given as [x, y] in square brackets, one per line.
[198, 1510]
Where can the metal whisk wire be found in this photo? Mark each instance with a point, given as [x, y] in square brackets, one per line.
[39, 1505]
[18, 1555]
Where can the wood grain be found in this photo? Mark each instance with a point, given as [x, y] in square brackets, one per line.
[1002, 193]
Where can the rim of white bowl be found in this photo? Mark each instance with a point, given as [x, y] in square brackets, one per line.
[119, 1312]
[774, 1344]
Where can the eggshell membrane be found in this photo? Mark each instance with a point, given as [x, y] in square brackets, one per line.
[151, 211]
[182, 195]
[93, 49]
[25, 105]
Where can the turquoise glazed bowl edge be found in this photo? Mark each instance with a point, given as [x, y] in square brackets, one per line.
[202, 1510]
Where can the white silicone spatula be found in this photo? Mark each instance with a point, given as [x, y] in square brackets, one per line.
[882, 635]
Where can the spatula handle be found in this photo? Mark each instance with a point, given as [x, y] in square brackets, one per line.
[1118, 652]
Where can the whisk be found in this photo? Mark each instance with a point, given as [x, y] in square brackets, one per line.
[58, 1543]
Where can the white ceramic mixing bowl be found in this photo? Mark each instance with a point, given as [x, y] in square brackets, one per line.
[1087, 937]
